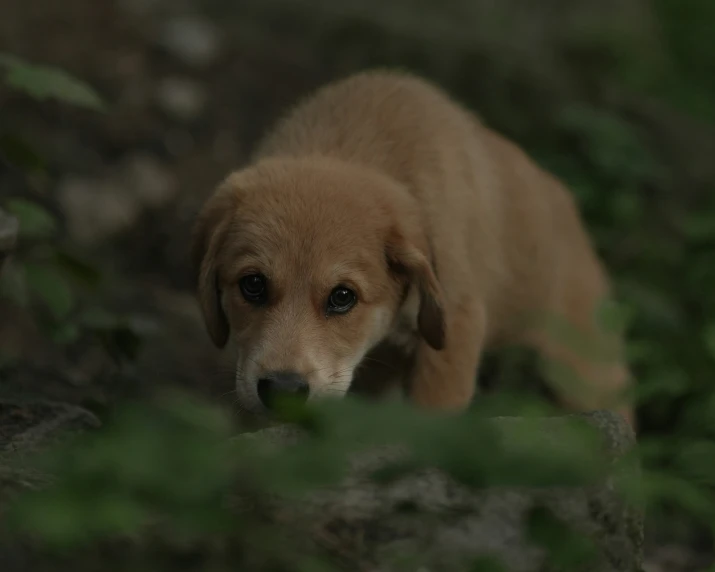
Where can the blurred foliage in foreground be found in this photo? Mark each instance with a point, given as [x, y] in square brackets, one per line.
[159, 474]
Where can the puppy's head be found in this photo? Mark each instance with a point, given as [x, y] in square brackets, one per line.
[305, 265]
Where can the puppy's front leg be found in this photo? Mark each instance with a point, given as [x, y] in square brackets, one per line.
[447, 379]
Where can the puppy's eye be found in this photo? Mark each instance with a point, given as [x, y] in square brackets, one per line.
[253, 288]
[340, 301]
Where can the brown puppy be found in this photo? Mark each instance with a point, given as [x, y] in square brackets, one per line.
[382, 237]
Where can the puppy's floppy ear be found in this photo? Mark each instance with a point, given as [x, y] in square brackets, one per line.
[407, 256]
[208, 236]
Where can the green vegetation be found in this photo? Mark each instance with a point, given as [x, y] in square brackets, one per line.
[48, 277]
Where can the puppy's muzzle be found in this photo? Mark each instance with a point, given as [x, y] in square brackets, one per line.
[277, 385]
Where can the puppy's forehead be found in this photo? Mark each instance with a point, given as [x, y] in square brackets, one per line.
[308, 243]
[310, 215]
[303, 207]
[318, 245]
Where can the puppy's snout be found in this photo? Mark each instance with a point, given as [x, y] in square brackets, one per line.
[278, 384]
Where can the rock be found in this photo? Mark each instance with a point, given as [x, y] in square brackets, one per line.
[9, 227]
[181, 98]
[29, 425]
[191, 39]
[445, 526]
[96, 209]
[676, 558]
[148, 180]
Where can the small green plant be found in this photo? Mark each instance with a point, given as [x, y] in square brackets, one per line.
[43, 82]
[47, 276]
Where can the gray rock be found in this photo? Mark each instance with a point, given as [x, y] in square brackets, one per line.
[96, 209]
[191, 39]
[148, 180]
[181, 98]
[26, 428]
[29, 425]
[444, 526]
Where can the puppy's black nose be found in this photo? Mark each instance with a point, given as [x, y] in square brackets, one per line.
[279, 384]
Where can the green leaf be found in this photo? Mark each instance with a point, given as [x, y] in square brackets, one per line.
[699, 226]
[51, 287]
[77, 268]
[614, 316]
[35, 220]
[487, 564]
[13, 284]
[99, 319]
[697, 461]
[55, 517]
[66, 333]
[566, 548]
[42, 82]
[613, 145]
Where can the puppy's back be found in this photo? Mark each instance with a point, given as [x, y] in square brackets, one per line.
[391, 121]
[411, 130]
[496, 220]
